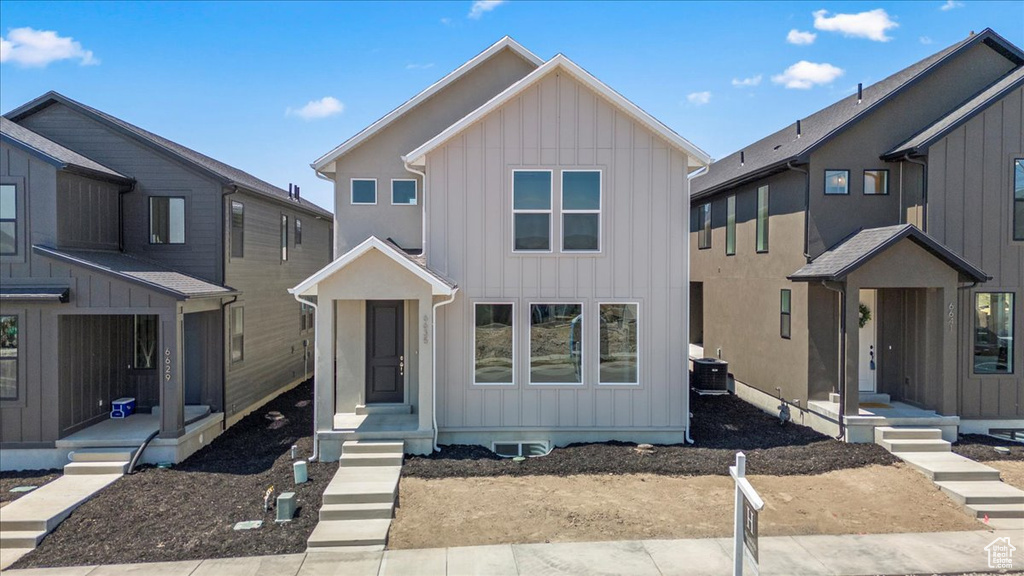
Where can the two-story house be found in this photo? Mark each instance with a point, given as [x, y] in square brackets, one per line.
[512, 269]
[866, 263]
[132, 266]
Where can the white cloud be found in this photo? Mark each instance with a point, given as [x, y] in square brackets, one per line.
[699, 98]
[871, 24]
[481, 7]
[746, 82]
[951, 4]
[446, 21]
[315, 109]
[800, 38]
[804, 75]
[33, 48]
[419, 66]
[925, 40]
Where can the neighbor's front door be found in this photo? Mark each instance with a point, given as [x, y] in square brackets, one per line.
[385, 351]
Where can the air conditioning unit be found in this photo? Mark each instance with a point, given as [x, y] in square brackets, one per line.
[710, 376]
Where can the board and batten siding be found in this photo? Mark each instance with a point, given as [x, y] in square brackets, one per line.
[560, 124]
[88, 217]
[970, 210]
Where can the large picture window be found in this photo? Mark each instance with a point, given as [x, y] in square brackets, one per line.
[730, 226]
[493, 344]
[762, 219]
[619, 344]
[556, 344]
[837, 181]
[8, 219]
[237, 334]
[581, 211]
[237, 229]
[531, 210]
[146, 341]
[8, 357]
[704, 226]
[1018, 199]
[993, 333]
[166, 220]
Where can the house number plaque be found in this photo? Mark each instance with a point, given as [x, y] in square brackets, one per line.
[167, 364]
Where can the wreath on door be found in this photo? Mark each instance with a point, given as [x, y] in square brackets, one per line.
[865, 315]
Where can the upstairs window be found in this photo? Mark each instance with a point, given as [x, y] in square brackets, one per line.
[403, 192]
[8, 357]
[8, 220]
[364, 191]
[166, 220]
[1018, 199]
[704, 226]
[305, 317]
[284, 238]
[581, 211]
[762, 219]
[876, 182]
[237, 334]
[837, 181]
[237, 229]
[730, 226]
[298, 232]
[531, 211]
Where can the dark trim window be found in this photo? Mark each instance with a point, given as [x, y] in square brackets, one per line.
[237, 331]
[166, 220]
[704, 226]
[785, 313]
[993, 333]
[730, 226]
[8, 220]
[8, 357]
[493, 344]
[284, 238]
[146, 327]
[403, 192]
[237, 229]
[531, 210]
[581, 211]
[1018, 199]
[762, 219]
[305, 317]
[364, 191]
[298, 232]
[556, 344]
[837, 182]
[876, 182]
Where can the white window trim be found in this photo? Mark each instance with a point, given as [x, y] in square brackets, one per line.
[352, 191]
[550, 211]
[529, 348]
[515, 334]
[599, 211]
[639, 348]
[416, 190]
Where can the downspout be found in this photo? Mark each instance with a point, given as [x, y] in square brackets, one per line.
[924, 189]
[689, 415]
[224, 361]
[120, 213]
[807, 205]
[316, 382]
[433, 364]
[423, 206]
[841, 382]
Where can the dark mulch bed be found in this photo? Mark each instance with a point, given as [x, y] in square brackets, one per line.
[37, 478]
[981, 447]
[187, 512]
[721, 426]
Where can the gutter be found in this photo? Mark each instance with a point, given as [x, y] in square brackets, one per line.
[807, 206]
[433, 364]
[841, 382]
[316, 382]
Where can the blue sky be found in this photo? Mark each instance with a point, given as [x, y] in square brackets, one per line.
[233, 79]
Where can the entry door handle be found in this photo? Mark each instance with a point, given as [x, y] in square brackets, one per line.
[401, 365]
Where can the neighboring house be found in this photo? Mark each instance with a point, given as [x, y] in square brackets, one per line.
[132, 266]
[512, 268]
[900, 208]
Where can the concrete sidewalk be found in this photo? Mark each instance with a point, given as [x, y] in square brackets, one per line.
[927, 553]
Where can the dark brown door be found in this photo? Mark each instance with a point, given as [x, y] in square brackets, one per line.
[385, 351]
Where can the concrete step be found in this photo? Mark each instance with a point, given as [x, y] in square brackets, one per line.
[384, 409]
[984, 492]
[996, 510]
[21, 538]
[78, 468]
[921, 445]
[350, 533]
[349, 549]
[363, 485]
[361, 511]
[892, 433]
[874, 398]
[21, 525]
[949, 467]
[373, 447]
[370, 459]
[118, 454]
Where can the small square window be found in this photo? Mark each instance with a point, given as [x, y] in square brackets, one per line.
[403, 192]
[364, 191]
[876, 182]
[837, 181]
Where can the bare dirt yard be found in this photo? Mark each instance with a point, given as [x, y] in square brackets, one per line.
[1011, 471]
[12, 480]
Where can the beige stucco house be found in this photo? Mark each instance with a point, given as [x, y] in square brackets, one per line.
[512, 266]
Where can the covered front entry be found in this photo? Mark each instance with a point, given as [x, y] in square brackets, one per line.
[385, 351]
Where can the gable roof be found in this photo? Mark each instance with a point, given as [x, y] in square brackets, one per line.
[772, 153]
[439, 284]
[139, 271]
[839, 261]
[925, 138]
[390, 117]
[561, 62]
[227, 175]
[55, 154]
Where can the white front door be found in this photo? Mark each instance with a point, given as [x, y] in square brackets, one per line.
[868, 343]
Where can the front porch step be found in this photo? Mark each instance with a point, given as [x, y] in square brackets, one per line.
[894, 433]
[113, 454]
[349, 533]
[996, 510]
[986, 492]
[370, 459]
[915, 445]
[949, 467]
[21, 538]
[372, 447]
[22, 525]
[365, 511]
[384, 409]
[80, 468]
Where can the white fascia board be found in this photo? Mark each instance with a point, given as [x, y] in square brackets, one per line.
[698, 157]
[434, 88]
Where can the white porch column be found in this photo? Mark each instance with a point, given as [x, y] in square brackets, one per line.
[324, 364]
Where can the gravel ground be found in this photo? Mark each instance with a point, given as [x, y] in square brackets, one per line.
[9, 480]
[981, 447]
[721, 426]
[187, 512]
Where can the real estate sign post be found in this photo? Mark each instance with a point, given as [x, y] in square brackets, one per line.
[748, 503]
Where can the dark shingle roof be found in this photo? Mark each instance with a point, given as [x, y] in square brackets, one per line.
[419, 260]
[772, 153]
[851, 253]
[956, 118]
[54, 153]
[228, 174]
[139, 271]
